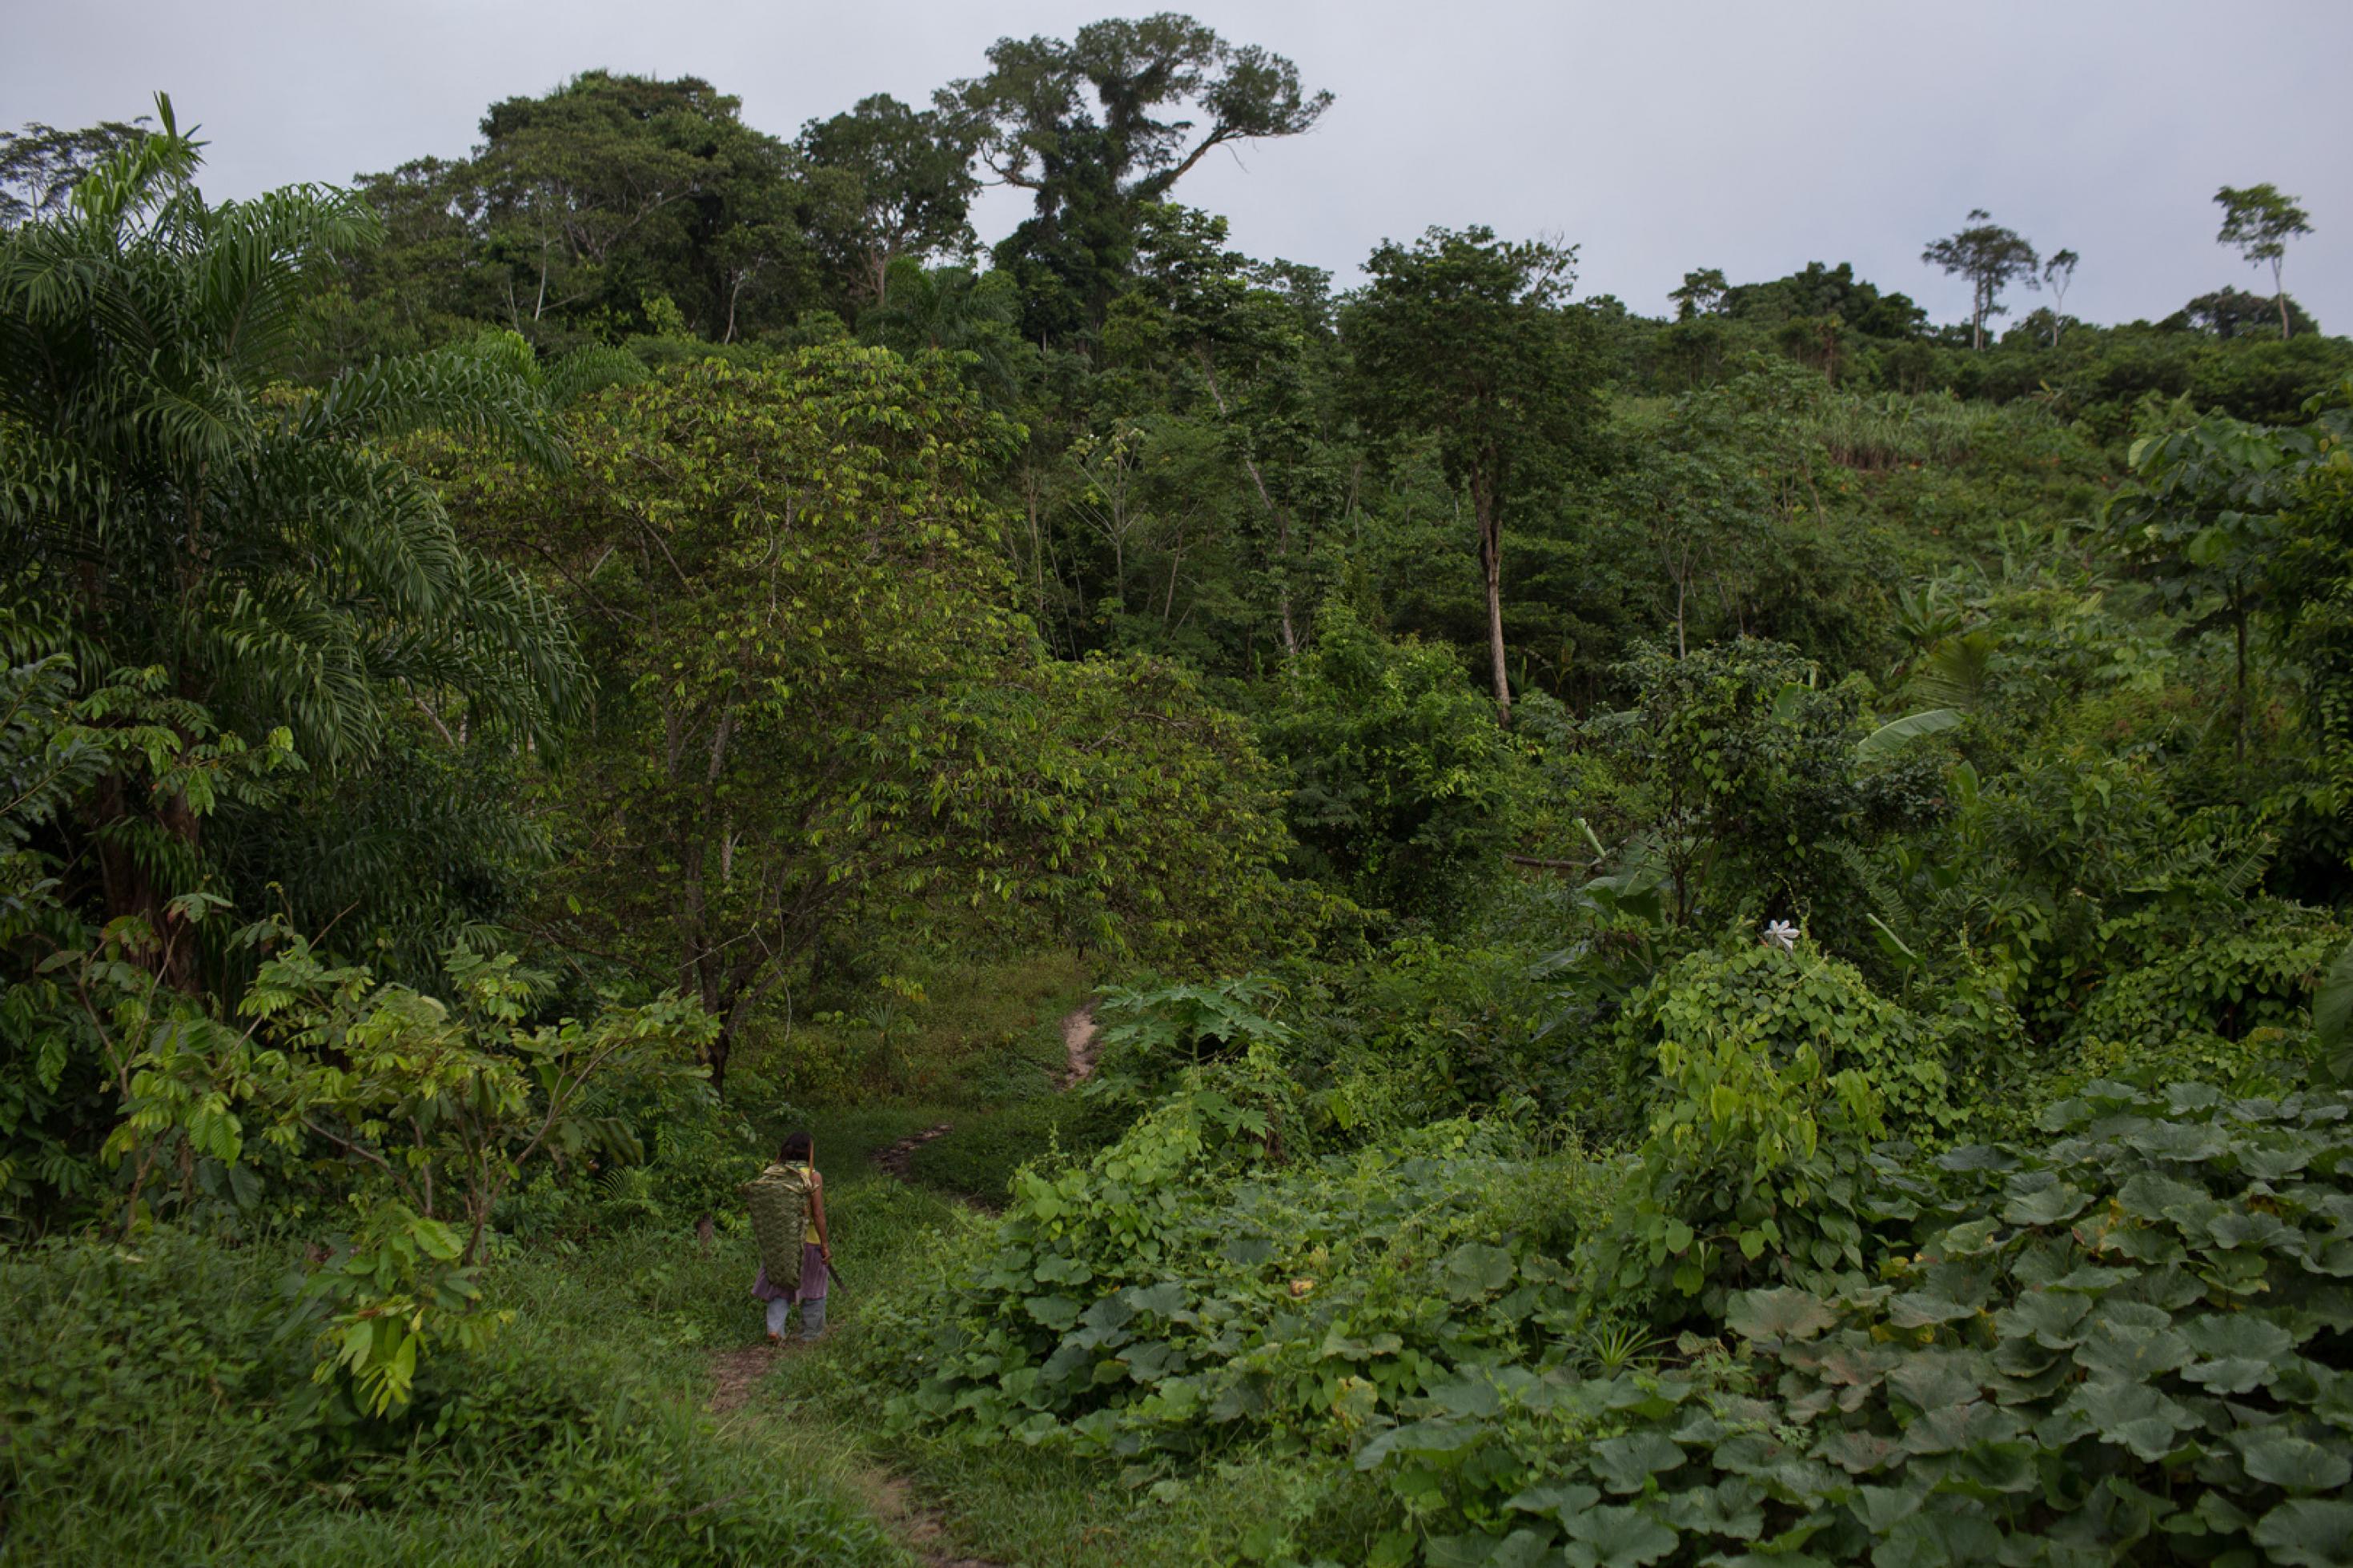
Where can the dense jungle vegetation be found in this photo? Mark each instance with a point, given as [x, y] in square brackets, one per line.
[1709, 937]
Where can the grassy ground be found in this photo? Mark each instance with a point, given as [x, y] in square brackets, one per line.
[156, 1413]
[153, 1407]
[815, 1415]
[984, 1055]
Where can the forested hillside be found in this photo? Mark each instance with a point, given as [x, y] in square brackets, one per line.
[1420, 917]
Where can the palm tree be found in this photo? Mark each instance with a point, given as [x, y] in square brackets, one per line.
[168, 503]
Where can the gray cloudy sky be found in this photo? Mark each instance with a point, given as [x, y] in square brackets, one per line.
[1659, 136]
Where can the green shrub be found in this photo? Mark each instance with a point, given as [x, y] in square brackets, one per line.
[2219, 970]
[1180, 1293]
[1403, 791]
[2124, 1342]
[1785, 1004]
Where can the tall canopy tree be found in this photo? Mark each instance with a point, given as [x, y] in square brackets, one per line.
[2058, 275]
[40, 165]
[597, 208]
[814, 683]
[1462, 337]
[913, 187]
[2259, 221]
[1991, 258]
[165, 507]
[1110, 119]
[1701, 292]
[2232, 312]
[1238, 344]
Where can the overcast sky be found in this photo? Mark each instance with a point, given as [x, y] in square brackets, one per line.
[1659, 137]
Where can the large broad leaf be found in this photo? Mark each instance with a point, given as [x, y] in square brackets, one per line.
[2332, 1016]
[1475, 1268]
[1617, 1538]
[2296, 1463]
[1057, 1312]
[1166, 1298]
[1922, 1310]
[1624, 1464]
[2138, 1417]
[1933, 1380]
[2052, 1319]
[1563, 1500]
[1881, 1509]
[1888, 737]
[2053, 1205]
[1950, 1428]
[2132, 1351]
[1999, 1467]
[1731, 1508]
[2177, 1141]
[2308, 1533]
[1861, 1453]
[1783, 1313]
[2238, 1335]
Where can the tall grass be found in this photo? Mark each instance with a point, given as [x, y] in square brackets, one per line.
[158, 1410]
[1892, 430]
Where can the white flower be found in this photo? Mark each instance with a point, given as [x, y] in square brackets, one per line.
[1783, 935]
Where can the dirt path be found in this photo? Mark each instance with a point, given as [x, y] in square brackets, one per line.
[893, 1160]
[732, 1374]
[1078, 1040]
[1079, 1048]
[921, 1530]
[735, 1372]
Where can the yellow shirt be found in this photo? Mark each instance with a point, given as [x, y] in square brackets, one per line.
[816, 1185]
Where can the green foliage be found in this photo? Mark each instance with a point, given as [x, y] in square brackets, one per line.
[1401, 789]
[1739, 771]
[1772, 1068]
[2225, 976]
[1991, 256]
[1094, 129]
[2121, 1339]
[1177, 1295]
[1759, 1001]
[1898, 757]
[794, 586]
[424, 1110]
[1461, 336]
[79, 998]
[157, 1409]
[167, 506]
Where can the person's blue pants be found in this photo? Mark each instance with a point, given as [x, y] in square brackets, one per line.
[780, 1312]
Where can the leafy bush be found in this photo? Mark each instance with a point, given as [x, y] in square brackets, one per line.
[2219, 972]
[1787, 1004]
[1403, 792]
[2125, 1342]
[1179, 1293]
[1768, 1065]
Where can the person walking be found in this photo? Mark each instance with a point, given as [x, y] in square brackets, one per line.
[791, 1190]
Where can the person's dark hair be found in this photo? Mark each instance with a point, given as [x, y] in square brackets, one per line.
[795, 1150]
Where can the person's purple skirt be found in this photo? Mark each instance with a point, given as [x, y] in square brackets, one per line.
[814, 1279]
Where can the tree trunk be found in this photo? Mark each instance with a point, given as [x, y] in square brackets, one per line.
[722, 1045]
[1279, 518]
[131, 887]
[2239, 725]
[2279, 292]
[1484, 508]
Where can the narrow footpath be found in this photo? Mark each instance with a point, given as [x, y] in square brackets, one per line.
[735, 1372]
